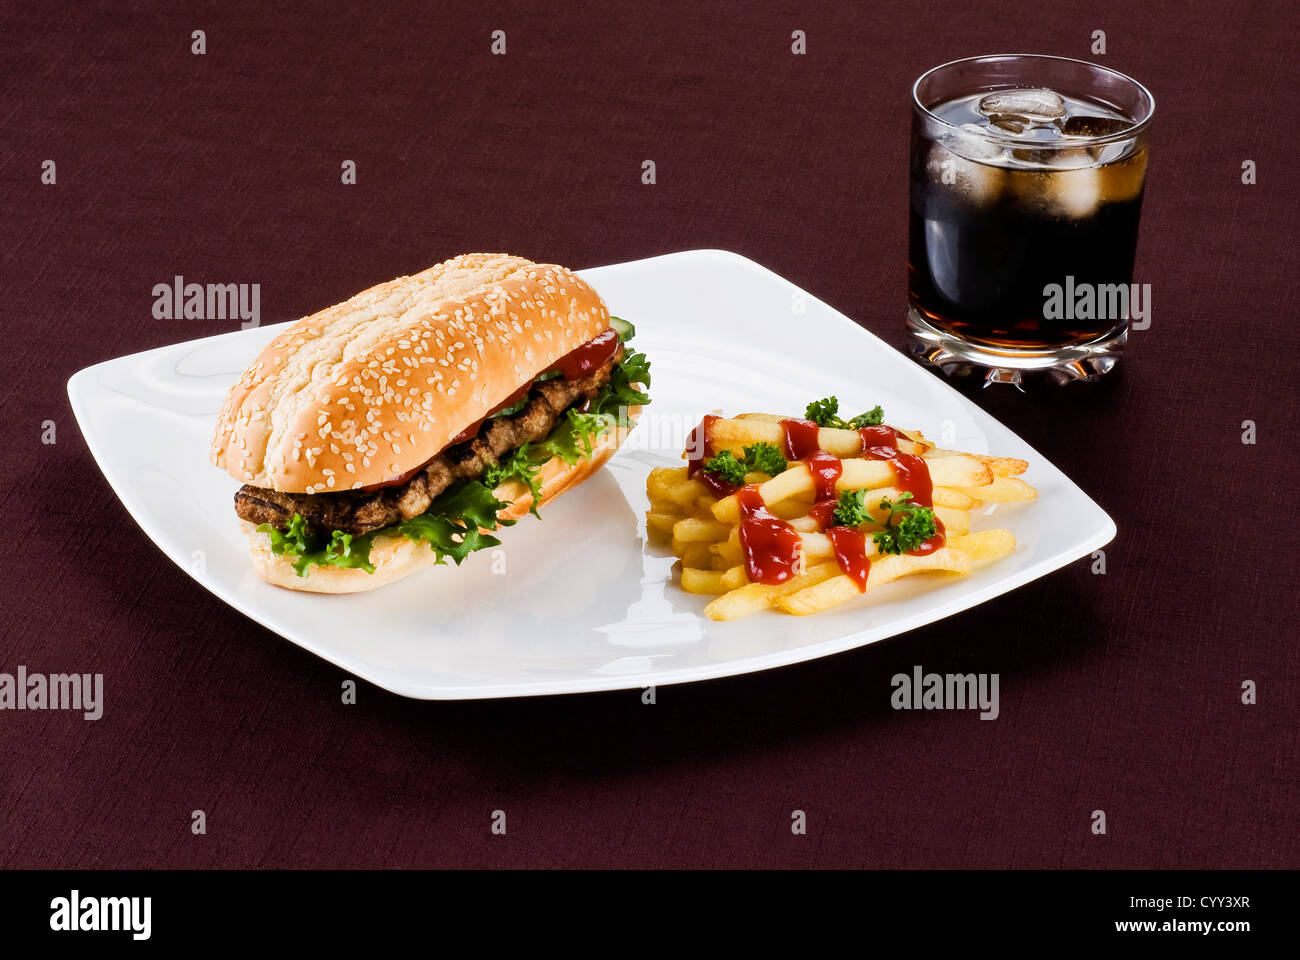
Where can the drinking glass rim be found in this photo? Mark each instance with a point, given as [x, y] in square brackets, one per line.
[1006, 137]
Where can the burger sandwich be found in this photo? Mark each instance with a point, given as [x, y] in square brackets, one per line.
[401, 428]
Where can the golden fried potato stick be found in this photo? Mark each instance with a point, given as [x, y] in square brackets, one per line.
[695, 580]
[859, 475]
[729, 549]
[985, 546]
[1003, 489]
[736, 434]
[1001, 466]
[839, 589]
[697, 529]
[753, 597]
[961, 555]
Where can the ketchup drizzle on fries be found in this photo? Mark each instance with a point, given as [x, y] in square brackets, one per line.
[851, 554]
[700, 449]
[800, 438]
[825, 470]
[880, 436]
[794, 542]
[823, 511]
[772, 547]
[881, 443]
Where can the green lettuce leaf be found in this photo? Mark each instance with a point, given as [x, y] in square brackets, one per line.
[341, 550]
[621, 392]
[573, 439]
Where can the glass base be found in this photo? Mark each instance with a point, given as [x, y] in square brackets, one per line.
[956, 357]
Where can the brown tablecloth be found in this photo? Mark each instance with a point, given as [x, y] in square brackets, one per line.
[1119, 692]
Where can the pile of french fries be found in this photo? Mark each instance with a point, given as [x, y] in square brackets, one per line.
[704, 532]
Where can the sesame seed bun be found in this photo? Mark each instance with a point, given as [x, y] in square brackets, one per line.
[366, 390]
[396, 557]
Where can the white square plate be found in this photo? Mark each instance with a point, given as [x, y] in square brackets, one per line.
[582, 604]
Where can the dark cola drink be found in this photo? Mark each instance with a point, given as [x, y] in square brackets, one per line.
[1025, 203]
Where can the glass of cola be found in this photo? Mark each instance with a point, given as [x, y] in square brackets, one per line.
[1027, 175]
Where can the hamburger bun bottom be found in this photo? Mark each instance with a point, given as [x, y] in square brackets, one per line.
[396, 557]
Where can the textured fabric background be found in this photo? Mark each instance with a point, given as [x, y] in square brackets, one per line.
[1119, 692]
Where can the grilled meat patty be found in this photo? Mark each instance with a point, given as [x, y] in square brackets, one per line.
[361, 511]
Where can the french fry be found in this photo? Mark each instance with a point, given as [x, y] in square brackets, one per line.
[943, 497]
[757, 596]
[984, 546]
[734, 578]
[1001, 466]
[1003, 489]
[953, 498]
[671, 483]
[791, 509]
[948, 497]
[667, 508]
[695, 580]
[736, 434]
[955, 522]
[694, 554]
[662, 522]
[661, 479]
[838, 589]
[859, 475]
[817, 546]
[697, 529]
[728, 548]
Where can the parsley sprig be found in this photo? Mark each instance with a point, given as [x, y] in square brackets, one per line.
[761, 457]
[915, 525]
[852, 510]
[905, 526]
[826, 413]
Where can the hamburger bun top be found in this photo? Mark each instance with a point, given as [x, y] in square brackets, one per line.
[366, 390]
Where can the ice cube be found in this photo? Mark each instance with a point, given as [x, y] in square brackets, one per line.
[1030, 106]
[956, 162]
[1075, 193]
[1064, 183]
[1093, 126]
[1110, 152]
[972, 141]
[1072, 158]
[1123, 180]
[1064, 192]
[1007, 123]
